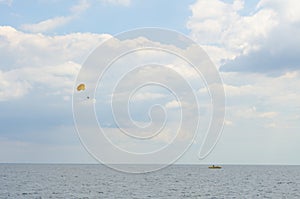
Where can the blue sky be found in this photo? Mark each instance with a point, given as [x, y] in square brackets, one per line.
[254, 45]
[100, 17]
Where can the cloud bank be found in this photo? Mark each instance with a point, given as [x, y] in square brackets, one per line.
[263, 41]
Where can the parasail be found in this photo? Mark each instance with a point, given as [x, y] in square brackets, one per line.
[81, 87]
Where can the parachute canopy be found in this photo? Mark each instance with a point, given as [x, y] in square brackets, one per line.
[81, 87]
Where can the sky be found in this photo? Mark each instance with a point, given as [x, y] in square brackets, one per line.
[254, 45]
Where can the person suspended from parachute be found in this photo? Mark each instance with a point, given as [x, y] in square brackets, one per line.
[81, 87]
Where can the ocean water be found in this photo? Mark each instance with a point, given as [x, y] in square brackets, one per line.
[177, 181]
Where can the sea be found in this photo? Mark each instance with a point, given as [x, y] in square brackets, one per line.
[176, 181]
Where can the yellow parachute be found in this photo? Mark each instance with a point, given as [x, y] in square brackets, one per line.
[81, 87]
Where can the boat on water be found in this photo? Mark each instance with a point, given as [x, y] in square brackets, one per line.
[214, 167]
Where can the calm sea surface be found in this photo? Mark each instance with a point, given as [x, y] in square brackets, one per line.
[179, 181]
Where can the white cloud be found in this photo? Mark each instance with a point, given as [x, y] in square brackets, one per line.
[268, 115]
[246, 33]
[249, 42]
[7, 2]
[81, 7]
[147, 96]
[272, 57]
[17, 83]
[24, 50]
[261, 42]
[271, 125]
[228, 123]
[261, 100]
[51, 24]
[287, 10]
[53, 62]
[31, 60]
[47, 25]
[279, 91]
[10, 88]
[218, 54]
[117, 2]
[49, 64]
[220, 27]
[237, 91]
[173, 104]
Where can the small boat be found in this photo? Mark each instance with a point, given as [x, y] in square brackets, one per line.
[214, 167]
